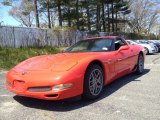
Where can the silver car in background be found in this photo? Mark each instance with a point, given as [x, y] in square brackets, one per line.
[154, 48]
[148, 48]
[156, 42]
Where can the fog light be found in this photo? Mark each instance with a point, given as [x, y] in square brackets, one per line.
[39, 89]
[62, 87]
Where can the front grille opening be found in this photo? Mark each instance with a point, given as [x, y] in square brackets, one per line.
[39, 89]
[51, 95]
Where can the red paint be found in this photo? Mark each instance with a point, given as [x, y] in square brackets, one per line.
[63, 68]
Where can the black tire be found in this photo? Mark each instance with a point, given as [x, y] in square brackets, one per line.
[147, 51]
[140, 65]
[93, 82]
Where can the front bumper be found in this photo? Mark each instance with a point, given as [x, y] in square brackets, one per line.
[23, 89]
[50, 95]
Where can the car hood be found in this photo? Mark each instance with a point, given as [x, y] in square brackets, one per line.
[57, 62]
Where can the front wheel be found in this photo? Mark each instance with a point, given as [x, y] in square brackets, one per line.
[140, 64]
[93, 82]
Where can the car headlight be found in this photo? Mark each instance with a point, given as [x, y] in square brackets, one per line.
[62, 87]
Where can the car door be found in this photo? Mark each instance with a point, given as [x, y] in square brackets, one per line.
[133, 56]
[123, 58]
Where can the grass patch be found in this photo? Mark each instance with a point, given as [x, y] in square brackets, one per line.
[10, 57]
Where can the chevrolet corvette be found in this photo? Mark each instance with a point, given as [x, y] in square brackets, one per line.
[83, 69]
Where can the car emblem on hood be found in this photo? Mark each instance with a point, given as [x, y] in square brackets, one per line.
[23, 73]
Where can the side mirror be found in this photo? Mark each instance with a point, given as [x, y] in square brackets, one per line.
[126, 47]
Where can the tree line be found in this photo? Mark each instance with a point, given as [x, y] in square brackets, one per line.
[88, 15]
[99, 15]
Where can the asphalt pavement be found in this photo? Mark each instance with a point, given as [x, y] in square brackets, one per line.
[133, 97]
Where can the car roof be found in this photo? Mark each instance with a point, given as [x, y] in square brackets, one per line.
[101, 37]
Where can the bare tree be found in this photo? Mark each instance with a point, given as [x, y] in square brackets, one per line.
[143, 17]
[1, 16]
[24, 13]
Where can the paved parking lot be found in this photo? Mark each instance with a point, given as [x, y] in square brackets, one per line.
[129, 98]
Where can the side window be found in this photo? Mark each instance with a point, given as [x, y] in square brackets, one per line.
[118, 43]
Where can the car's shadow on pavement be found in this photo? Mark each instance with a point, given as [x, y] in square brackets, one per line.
[66, 105]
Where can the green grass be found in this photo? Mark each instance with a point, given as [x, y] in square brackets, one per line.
[10, 57]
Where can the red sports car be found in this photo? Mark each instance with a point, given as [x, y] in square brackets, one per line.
[83, 69]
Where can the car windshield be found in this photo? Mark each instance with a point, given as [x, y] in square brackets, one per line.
[95, 45]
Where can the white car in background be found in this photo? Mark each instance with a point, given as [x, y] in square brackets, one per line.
[157, 43]
[146, 42]
[148, 48]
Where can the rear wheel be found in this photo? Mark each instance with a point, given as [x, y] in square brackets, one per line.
[93, 82]
[140, 64]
